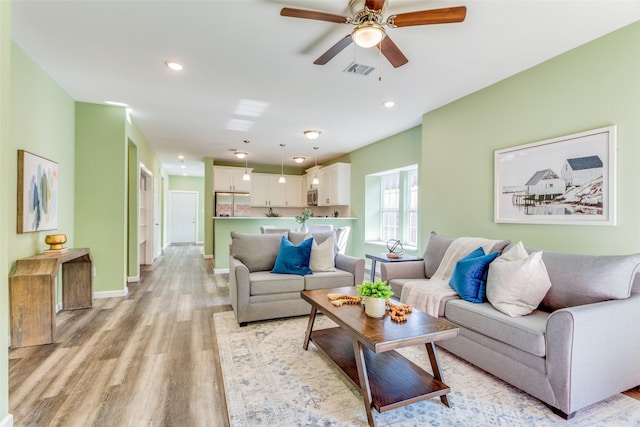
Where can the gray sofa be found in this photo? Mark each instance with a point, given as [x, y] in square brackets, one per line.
[579, 347]
[258, 294]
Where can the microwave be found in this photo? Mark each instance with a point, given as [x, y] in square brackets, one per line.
[312, 197]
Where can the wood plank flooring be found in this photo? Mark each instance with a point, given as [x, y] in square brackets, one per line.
[148, 359]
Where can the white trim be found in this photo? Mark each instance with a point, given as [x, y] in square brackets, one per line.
[7, 421]
[220, 271]
[110, 294]
[208, 256]
[133, 279]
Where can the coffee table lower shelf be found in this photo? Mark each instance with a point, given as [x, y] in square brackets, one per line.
[394, 380]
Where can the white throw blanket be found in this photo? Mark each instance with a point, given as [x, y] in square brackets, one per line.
[427, 295]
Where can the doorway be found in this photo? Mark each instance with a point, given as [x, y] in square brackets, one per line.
[146, 216]
[183, 212]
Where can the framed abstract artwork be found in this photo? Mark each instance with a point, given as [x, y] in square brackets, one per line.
[565, 180]
[37, 193]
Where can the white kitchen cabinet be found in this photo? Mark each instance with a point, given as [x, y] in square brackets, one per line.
[266, 191]
[294, 188]
[335, 185]
[312, 173]
[228, 178]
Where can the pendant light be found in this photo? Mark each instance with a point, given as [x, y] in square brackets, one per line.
[315, 180]
[282, 180]
[245, 175]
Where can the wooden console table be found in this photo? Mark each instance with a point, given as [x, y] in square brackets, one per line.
[32, 293]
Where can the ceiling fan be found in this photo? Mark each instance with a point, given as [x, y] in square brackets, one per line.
[369, 31]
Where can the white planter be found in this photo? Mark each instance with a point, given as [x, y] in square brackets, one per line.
[374, 307]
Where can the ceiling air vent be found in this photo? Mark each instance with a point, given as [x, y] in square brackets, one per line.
[361, 69]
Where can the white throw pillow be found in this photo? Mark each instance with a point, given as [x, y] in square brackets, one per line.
[517, 282]
[322, 256]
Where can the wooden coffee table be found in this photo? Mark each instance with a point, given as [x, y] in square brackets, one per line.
[362, 348]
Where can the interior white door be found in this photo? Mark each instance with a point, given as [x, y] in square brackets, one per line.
[183, 212]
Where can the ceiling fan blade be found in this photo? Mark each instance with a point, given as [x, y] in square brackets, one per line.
[334, 50]
[310, 14]
[392, 52]
[374, 4]
[425, 17]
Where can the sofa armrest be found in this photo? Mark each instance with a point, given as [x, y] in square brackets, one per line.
[402, 270]
[593, 351]
[239, 287]
[353, 265]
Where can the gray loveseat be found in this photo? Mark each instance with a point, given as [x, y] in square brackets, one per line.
[258, 294]
[580, 346]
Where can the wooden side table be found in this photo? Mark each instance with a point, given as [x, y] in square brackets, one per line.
[32, 293]
[382, 257]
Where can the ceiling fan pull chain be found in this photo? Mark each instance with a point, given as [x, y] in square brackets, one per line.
[379, 62]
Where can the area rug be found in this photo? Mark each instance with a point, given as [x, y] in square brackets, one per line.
[270, 380]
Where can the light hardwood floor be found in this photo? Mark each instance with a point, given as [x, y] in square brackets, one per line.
[149, 359]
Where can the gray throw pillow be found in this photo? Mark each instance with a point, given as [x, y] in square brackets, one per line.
[257, 252]
[434, 253]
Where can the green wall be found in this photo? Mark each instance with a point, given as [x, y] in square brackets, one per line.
[101, 191]
[397, 151]
[5, 194]
[192, 183]
[42, 122]
[592, 86]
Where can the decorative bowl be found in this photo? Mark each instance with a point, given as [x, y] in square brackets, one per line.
[55, 241]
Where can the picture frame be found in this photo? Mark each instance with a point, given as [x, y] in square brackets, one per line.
[37, 193]
[565, 180]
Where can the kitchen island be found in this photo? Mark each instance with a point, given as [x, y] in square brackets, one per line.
[223, 226]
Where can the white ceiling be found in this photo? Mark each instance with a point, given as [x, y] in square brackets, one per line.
[235, 50]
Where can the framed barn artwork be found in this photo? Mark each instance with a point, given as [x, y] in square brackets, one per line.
[565, 180]
[37, 193]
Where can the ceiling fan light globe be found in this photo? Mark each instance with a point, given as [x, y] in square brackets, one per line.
[368, 35]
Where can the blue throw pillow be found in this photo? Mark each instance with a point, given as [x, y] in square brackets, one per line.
[293, 259]
[469, 277]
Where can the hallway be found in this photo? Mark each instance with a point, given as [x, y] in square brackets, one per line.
[149, 359]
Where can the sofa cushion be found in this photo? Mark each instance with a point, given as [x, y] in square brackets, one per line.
[434, 253]
[257, 252]
[585, 279]
[293, 259]
[526, 332]
[267, 283]
[328, 279]
[517, 281]
[469, 277]
[322, 256]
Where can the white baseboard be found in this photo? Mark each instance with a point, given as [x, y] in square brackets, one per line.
[133, 279]
[7, 421]
[220, 271]
[110, 294]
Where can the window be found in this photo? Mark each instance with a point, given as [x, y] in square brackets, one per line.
[398, 202]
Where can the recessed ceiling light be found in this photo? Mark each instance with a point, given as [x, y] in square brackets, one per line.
[298, 159]
[180, 156]
[183, 167]
[175, 66]
[389, 104]
[312, 134]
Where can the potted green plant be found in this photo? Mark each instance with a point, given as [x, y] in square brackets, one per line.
[306, 214]
[375, 296]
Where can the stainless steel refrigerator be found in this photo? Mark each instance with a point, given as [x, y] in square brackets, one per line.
[233, 204]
